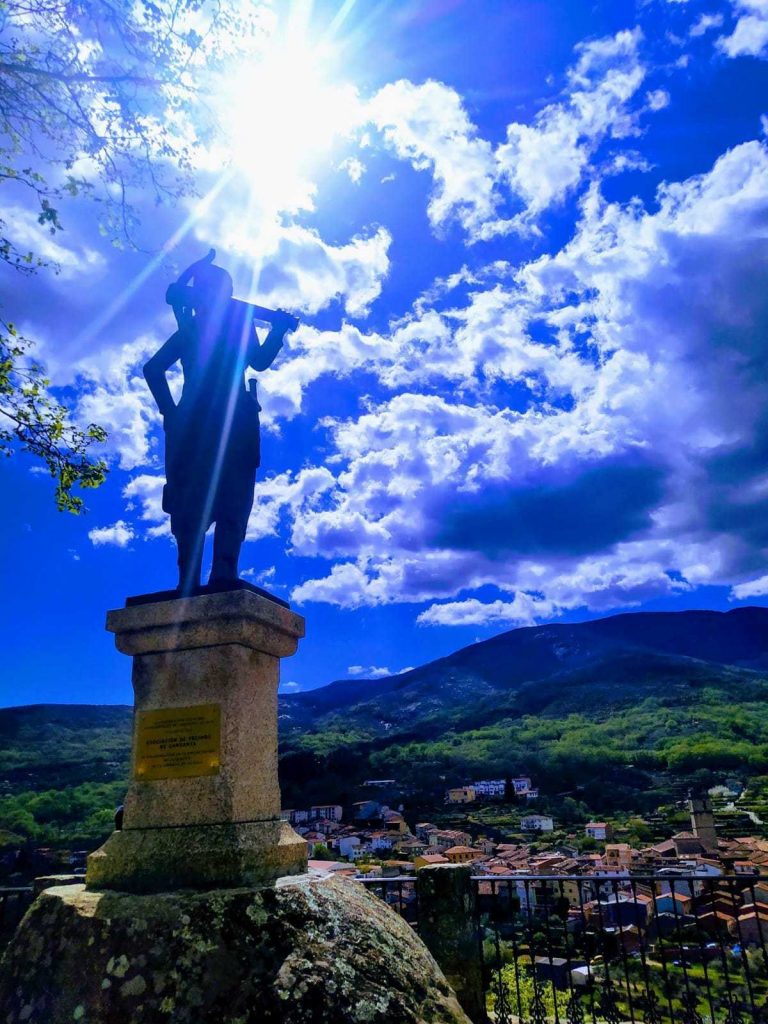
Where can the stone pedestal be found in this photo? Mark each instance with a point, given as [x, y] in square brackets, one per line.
[203, 808]
[448, 927]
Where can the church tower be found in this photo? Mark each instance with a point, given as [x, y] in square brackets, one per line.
[703, 822]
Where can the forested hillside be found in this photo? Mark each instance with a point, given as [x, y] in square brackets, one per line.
[617, 715]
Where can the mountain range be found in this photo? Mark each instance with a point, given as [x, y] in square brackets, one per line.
[535, 667]
[623, 711]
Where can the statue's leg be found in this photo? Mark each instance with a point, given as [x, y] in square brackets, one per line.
[233, 506]
[228, 538]
[189, 543]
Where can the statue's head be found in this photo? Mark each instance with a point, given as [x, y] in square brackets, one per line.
[212, 288]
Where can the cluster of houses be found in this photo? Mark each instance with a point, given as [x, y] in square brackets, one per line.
[380, 834]
[375, 830]
[372, 830]
[492, 789]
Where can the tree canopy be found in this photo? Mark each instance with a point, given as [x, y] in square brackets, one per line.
[107, 101]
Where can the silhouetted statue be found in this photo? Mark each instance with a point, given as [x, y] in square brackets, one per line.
[212, 445]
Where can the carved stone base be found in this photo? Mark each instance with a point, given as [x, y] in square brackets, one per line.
[145, 860]
[203, 806]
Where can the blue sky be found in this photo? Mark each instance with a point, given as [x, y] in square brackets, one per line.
[529, 246]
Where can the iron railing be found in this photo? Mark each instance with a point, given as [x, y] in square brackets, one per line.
[399, 893]
[661, 948]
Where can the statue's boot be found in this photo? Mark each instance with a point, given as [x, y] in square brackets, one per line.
[227, 541]
[190, 561]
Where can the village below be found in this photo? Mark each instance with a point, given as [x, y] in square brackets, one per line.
[598, 792]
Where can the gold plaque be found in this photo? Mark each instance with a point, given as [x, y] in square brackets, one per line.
[178, 743]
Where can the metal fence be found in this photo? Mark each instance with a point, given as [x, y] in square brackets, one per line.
[650, 949]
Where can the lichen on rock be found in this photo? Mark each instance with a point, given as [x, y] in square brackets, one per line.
[303, 951]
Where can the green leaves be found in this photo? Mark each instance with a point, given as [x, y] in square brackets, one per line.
[32, 420]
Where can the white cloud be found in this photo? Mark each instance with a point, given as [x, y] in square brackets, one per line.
[630, 308]
[354, 168]
[522, 611]
[144, 497]
[113, 393]
[304, 273]
[657, 99]
[286, 493]
[750, 35]
[506, 387]
[311, 354]
[120, 534]
[751, 588]
[428, 125]
[262, 578]
[346, 586]
[71, 258]
[544, 161]
[540, 163]
[705, 23]
[369, 671]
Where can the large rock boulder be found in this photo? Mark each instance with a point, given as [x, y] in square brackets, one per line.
[303, 951]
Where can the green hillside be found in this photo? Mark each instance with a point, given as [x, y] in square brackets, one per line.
[626, 735]
[615, 717]
[62, 772]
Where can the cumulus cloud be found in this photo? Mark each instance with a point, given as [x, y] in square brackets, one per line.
[112, 392]
[70, 256]
[119, 534]
[305, 273]
[428, 125]
[750, 34]
[751, 588]
[289, 492]
[705, 23]
[354, 168]
[557, 434]
[346, 586]
[540, 163]
[544, 161]
[369, 671]
[522, 611]
[594, 492]
[144, 498]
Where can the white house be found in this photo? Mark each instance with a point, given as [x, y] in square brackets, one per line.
[332, 811]
[382, 840]
[349, 847]
[537, 823]
[295, 817]
[521, 785]
[490, 787]
[598, 830]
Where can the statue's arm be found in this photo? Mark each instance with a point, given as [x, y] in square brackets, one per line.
[262, 356]
[155, 370]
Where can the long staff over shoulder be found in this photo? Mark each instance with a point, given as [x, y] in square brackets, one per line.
[180, 294]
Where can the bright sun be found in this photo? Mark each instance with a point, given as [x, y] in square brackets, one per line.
[282, 112]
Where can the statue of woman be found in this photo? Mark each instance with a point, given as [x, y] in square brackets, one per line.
[212, 444]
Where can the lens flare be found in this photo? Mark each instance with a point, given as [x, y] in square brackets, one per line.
[282, 113]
